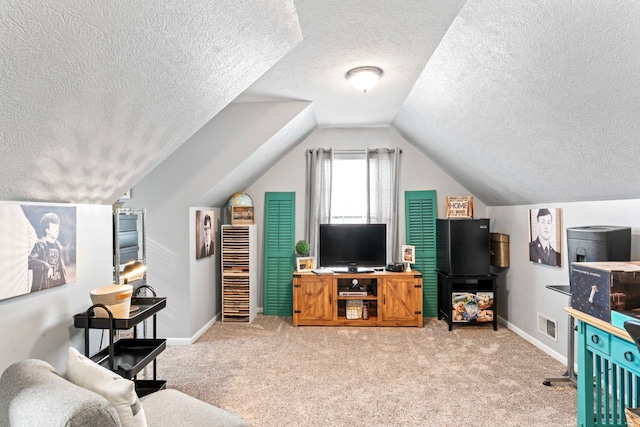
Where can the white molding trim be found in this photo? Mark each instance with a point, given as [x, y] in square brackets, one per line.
[559, 357]
[194, 338]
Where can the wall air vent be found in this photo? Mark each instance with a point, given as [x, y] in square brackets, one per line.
[548, 327]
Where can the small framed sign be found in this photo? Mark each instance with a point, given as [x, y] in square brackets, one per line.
[460, 207]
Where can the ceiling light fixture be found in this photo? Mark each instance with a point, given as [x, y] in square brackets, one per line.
[364, 78]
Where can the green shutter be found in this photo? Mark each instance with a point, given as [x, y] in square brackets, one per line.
[279, 231]
[421, 211]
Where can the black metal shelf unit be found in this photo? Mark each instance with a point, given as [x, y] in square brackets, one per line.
[468, 299]
[127, 356]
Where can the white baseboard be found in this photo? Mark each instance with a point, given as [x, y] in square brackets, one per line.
[559, 357]
[189, 341]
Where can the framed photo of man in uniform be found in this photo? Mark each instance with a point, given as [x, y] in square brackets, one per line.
[545, 236]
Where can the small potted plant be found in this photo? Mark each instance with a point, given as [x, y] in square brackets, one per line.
[302, 248]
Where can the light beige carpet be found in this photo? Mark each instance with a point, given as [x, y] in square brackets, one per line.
[273, 374]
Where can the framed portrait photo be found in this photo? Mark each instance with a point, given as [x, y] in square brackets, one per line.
[305, 264]
[545, 236]
[408, 254]
[38, 243]
[205, 236]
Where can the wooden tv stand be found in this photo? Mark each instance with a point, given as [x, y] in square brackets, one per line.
[393, 299]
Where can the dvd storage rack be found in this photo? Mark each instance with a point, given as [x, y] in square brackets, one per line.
[239, 275]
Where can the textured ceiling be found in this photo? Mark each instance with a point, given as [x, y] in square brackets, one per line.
[521, 102]
[534, 102]
[95, 94]
[397, 36]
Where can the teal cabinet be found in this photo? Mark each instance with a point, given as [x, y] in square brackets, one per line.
[608, 372]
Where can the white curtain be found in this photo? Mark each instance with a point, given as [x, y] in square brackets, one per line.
[318, 202]
[383, 166]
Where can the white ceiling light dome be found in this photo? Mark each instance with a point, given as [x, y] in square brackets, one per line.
[364, 78]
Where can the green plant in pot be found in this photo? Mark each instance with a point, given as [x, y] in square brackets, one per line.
[302, 248]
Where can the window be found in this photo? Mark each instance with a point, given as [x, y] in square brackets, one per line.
[349, 188]
[353, 187]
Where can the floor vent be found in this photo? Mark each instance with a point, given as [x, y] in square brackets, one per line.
[548, 327]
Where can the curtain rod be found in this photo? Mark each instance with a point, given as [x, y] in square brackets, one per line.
[358, 151]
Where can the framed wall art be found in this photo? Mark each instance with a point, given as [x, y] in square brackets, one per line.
[545, 236]
[205, 242]
[38, 244]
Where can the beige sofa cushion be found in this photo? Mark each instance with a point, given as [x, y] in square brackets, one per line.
[121, 392]
[172, 408]
[32, 393]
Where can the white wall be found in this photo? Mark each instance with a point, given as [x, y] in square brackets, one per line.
[40, 325]
[523, 291]
[191, 177]
[204, 271]
[417, 173]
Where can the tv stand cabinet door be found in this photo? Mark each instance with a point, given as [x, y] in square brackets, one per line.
[402, 301]
[312, 300]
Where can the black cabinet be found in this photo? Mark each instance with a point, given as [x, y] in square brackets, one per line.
[468, 299]
[463, 246]
[127, 356]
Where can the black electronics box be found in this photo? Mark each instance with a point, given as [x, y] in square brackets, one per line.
[395, 266]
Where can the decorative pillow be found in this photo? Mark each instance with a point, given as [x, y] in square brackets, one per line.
[120, 392]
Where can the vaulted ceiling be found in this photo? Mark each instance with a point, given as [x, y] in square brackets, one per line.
[521, 102]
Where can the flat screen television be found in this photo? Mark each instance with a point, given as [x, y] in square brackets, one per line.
[354, 246]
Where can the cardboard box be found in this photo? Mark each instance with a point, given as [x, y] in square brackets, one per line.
[602, 287]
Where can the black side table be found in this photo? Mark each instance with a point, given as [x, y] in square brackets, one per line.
[468, 299]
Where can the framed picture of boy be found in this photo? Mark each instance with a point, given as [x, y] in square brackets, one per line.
[39, 247]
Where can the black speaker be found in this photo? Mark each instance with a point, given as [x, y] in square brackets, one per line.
[395, 266]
